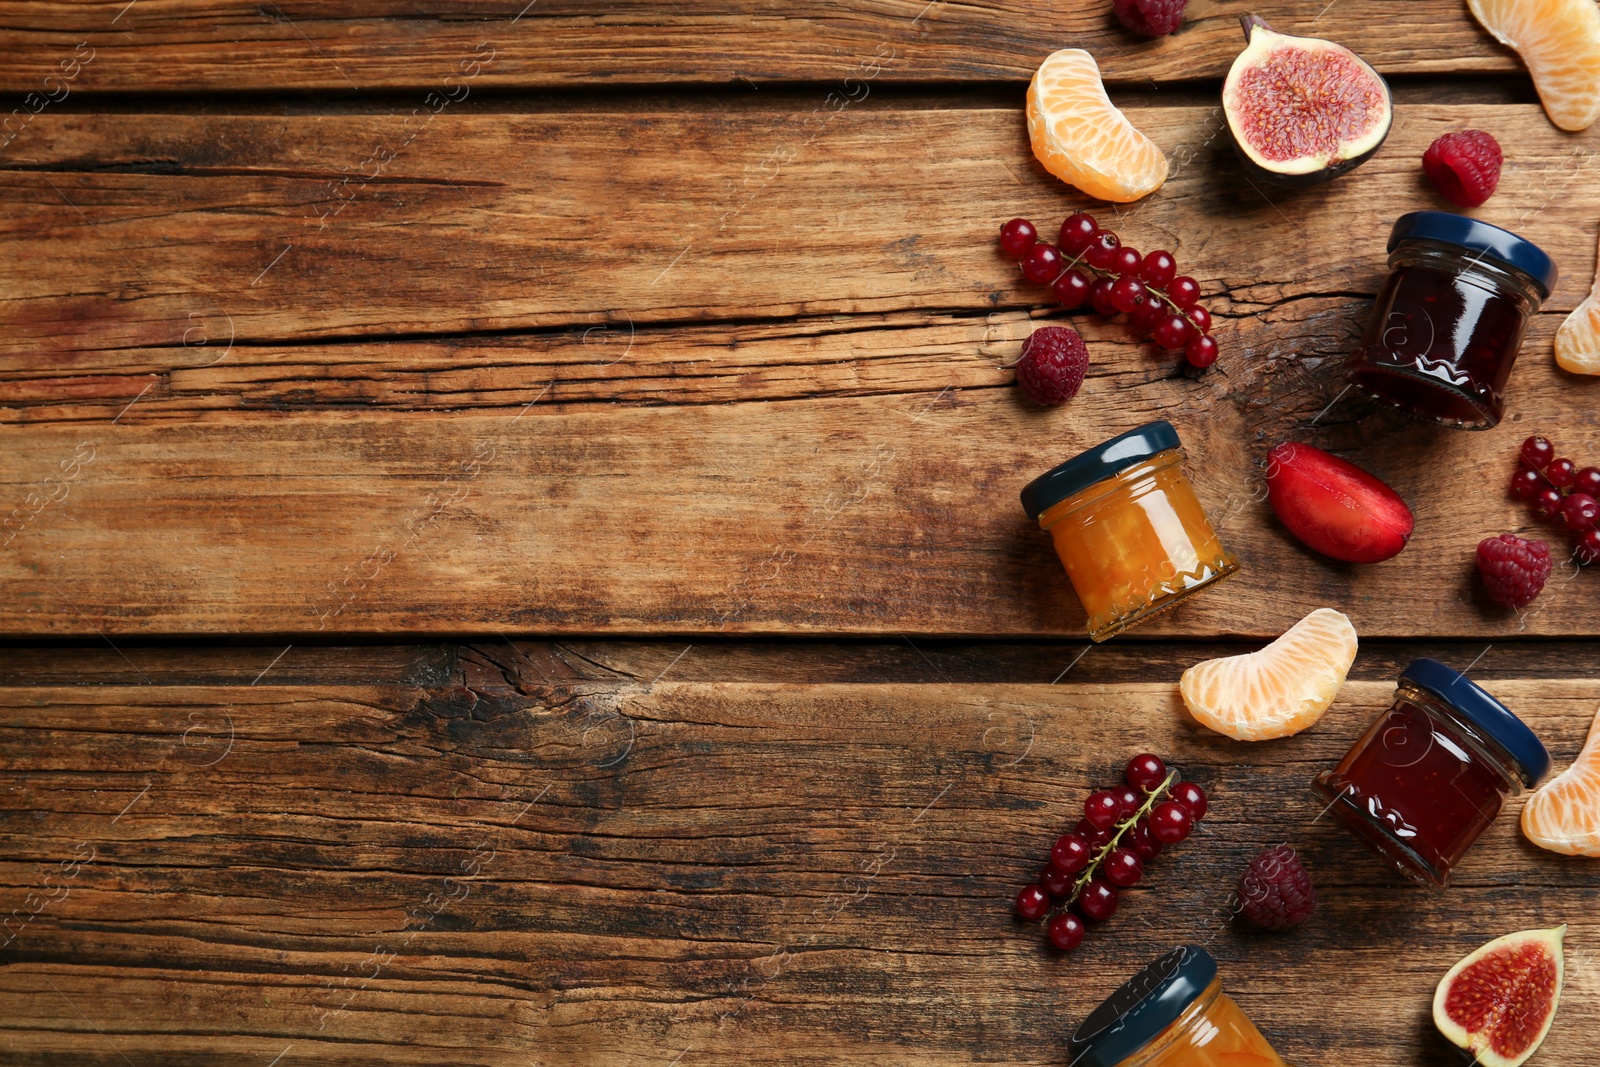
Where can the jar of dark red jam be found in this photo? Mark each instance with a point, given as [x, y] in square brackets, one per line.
[1128, 528]
[1432, 772]
[1448, 321]
[1172, 1014]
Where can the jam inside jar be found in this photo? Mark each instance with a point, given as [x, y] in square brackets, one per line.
[1172, 1014]
[1431, 773]
[1448, 321]
[1128, 528]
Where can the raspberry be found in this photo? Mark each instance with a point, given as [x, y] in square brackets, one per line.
[1464, 166]
[1052, 365]
[1150, 18]
[1514, 569]
[1275, 891]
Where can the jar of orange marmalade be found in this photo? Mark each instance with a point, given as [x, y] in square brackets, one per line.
[1172, 1014]
[1128, 528]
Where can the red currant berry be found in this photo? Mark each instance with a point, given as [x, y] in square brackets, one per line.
[1169, 331]
[1537, 452]
[1100, 297]
[1066, 931]
[1072, 289]
[1017, 236]
[1171, 822]
[1042, 263]
[1129, 800]
[1201, 351]
[1199, 321]
[1032, 902]
[1588, 547]
[1561, 472]
[1145, 771]
[1142, 841]
[1588, 481]
[1102, 250]
[1183, 291]
[1101, 809]
[1158, 268]
[1092, 834]
[1192, 797]
[1098, 901]
[1055, 883]
[1579, 511]
[1149, 312]
[1127, 261]
[1077, 232]
[1070, 854]
[1123, 868]
[1126, 292]
[1525, 484]
[1547, 503]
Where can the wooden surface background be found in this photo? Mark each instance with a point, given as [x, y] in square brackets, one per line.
[512, 554]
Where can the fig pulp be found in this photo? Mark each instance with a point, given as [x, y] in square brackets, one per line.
[1334, 506]
[1498, 1002]
[1302, 110]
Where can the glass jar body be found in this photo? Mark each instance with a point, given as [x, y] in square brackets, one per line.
[1212, 1032]
[1420, 786]
[1136, 543]
[1444, 334]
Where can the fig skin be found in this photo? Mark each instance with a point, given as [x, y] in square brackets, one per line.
[1478, 1044]
[1254, 169]
[1335, 507]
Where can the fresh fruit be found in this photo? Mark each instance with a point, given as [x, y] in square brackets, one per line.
[1081, 137]
[1052, 366]
[1464, 166]
[1158, 268]
[1579, 511]
[1559, 40]
[1302, 110]
[1564, 814]
[1588, 547]
[1335, 507]
[1032, 902]
[1498, 1002]
[1131, 822]
[1562, 473]
[1578, 339]
[1150, 18]
[1201, 352]
[1071, 289]
[1017, 237]
[1077, 231]
[1525, 483]
[1537, 452]
[1275, 891]
[1588, 481]
[1547, 503]
[1279, 690]
[1514, 569]
[1042, 263]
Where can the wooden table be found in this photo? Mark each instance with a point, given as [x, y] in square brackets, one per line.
[513, 554]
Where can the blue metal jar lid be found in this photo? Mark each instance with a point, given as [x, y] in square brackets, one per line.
[1480, 238]
[1096, 465]
[1147, 1004]
[1485, 712]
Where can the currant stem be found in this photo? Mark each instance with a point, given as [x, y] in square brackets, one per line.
[1152, 797]
[1099, 273]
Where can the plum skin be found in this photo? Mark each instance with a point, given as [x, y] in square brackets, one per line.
[1335, 507]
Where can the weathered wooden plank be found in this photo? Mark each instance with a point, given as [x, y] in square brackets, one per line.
[626, 874]
[566, 43]
[160, 232]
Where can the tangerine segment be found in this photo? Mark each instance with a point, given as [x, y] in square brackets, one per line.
[1578, 340]
[1279, 690]
[1559, 40]
[1564, 815]
[1081, 137]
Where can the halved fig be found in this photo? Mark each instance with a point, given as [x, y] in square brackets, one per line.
[1499, 1001]
[1302, 110]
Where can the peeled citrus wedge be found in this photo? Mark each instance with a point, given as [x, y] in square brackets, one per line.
[1081, 137]
[1578, 340]
[1559, 40]
[1564, 815]
[1278, 691]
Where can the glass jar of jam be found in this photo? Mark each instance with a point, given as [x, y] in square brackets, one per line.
[1432, 772]
[1172, 1014]
[1128, 528]
[1448, 321]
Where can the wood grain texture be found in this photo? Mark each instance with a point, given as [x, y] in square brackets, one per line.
[617, 874]
[346, 46]
[851, 472]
